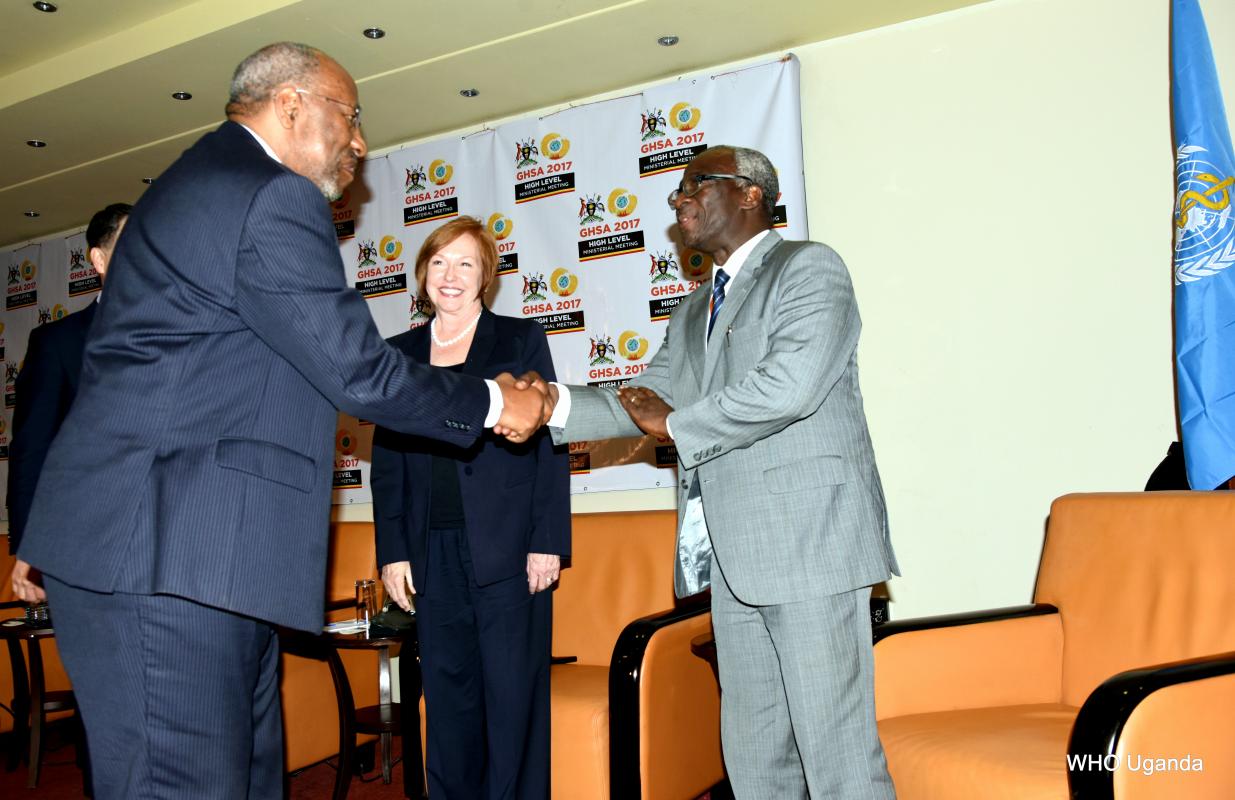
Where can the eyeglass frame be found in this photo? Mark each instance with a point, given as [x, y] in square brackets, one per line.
[699, 180]
[353, 119]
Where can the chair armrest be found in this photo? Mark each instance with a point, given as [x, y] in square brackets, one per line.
[664, 709]
[1180, 711]
[1008, 656]
[884, 630]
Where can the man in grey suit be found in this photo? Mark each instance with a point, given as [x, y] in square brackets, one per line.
[779, 502]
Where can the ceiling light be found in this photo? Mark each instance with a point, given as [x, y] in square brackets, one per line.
[31, 214]
[374, 33]
[47, 8]
[469, 92]
[667, 41]
[36, 142]
[182, 95]
[147, 181]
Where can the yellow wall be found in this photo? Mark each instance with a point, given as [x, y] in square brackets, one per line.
[999, 180]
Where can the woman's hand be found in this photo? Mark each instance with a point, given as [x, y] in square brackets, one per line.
[27, 583]
[397, 578]
[542, 571]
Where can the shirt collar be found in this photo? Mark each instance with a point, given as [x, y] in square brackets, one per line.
[262, 142]
[738, 259]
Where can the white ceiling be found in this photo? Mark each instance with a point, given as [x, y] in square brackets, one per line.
[94, 80]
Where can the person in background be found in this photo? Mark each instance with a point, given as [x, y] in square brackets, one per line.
[477, 534]
[46, 387]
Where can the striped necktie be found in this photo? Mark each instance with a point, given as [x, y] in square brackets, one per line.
[718, 297]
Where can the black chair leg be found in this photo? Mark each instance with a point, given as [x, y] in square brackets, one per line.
[365, 758]
[38, 714]
[20, 705]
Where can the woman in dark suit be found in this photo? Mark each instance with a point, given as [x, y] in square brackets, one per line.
[477, 535]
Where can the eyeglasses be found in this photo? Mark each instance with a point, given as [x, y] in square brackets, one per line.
[691, 185]
[353, 119]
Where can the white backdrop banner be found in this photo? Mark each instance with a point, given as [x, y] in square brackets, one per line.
[577, 202]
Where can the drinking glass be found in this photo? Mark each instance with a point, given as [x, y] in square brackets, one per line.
[366, 600]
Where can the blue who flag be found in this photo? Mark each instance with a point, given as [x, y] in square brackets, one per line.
[1204, 254]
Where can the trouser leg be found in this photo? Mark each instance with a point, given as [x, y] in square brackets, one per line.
[824, 650]
[761, 755]
[450, 672]
[170, 692]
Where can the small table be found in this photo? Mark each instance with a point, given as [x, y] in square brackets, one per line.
[387, 717]
[31, 700]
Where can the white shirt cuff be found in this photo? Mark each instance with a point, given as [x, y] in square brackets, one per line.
[669, 424]
[562, 410]
[496, 404]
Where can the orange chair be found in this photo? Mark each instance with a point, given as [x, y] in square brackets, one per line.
[311, 729]
[6, 567]
[58, 698]
[1118, 683]
[637, 715]
[8, 608]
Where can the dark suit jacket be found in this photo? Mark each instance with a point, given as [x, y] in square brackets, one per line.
[197, 458]
[45, 389]
[516, 498]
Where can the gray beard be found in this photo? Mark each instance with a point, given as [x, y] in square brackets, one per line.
[329, 187]
[327, 182]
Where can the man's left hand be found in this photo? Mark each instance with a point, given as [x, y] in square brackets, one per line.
[27, 583]
[542, 571]
[646, 409]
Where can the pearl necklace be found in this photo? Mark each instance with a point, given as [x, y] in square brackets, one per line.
[464, 332]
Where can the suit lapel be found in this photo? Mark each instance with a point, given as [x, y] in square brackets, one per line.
[694, 328]
[735, 297]
[482, 345]
[417, 344]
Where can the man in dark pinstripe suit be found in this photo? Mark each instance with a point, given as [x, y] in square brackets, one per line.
[183, 507]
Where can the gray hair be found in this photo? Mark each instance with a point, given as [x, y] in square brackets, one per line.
[759, 169]
[257, 76]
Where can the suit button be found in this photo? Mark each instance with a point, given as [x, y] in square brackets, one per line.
[467, 470]
[683, 484]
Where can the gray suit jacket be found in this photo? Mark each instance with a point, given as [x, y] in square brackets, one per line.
[769, 421]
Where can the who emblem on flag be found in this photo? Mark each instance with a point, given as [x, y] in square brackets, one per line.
[1204, 254]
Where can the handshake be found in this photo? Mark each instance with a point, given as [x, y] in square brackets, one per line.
[527, 404]
[529, 400]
